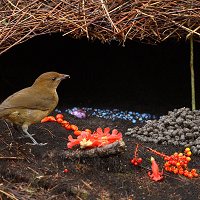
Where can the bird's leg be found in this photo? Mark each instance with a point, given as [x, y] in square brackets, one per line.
[22, 133]
[18, 130]
[25, 129]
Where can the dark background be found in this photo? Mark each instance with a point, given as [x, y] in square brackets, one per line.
[137, 77]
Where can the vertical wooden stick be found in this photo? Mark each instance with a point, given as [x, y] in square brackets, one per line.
[192, 65]
[192, 73]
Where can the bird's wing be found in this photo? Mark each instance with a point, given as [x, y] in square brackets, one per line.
[29, 98]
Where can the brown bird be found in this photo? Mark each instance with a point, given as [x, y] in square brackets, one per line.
[30, 105]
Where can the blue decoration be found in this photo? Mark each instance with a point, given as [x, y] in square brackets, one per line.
[113, 114]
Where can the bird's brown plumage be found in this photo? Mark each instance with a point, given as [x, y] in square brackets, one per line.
[30, 105]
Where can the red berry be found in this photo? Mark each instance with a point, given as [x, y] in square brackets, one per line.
[180, 171]
[133, 160]
[166, 158]
[187, 150]
[139, 160]
[190, 175]
[176, 155]
[168, 168]
[66, 170]
[174, 162]
[172, 156]
[172, 168]
[181, 163]
[189, 153]
[188, 159]
[195, 175]
[186, 173]
[185, 165]
[180, 155]
[175, 171]
[59, 116]
[178, 164]
[193, 171]
[135, 163]
[184, 157]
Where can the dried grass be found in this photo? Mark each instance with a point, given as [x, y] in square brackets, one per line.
[147, 21]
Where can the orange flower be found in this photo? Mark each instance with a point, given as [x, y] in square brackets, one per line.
[59, 120]
[64, 123]
[68, 127]
[100, 138]
[88, 130]
[48, 119]
[77, 132]
[74, 127]
[156, 176]
[44, 120]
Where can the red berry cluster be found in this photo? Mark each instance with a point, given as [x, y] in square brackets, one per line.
[136, 160]
[178, 164]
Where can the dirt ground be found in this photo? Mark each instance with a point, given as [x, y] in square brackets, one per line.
[37, 172]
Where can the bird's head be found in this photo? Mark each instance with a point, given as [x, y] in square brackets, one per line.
[50, 80]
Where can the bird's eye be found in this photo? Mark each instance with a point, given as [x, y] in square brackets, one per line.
[53, 79]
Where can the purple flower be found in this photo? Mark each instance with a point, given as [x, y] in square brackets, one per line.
[79, 113]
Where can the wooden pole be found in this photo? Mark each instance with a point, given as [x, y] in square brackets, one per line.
[192, 73]
[192, 64]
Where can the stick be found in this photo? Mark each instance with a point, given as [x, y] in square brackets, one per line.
[86, 28]
[110, 149]
[11, 158]
[192, 73]
[9, 195]
[109, 18]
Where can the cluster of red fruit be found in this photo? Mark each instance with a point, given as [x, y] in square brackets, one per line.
[65, 123]
[178, 164]
[136, 160]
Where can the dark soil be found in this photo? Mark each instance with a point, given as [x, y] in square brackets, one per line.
[39, 173]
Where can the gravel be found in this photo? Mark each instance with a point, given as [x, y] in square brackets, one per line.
[180, 127]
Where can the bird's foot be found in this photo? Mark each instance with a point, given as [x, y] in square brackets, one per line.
[33, 140]
[39, 144]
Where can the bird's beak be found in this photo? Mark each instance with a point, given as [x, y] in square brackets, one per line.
[65, 76]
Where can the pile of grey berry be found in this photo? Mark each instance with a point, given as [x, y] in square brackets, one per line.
[180, 127]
